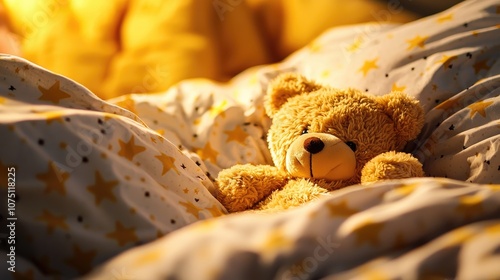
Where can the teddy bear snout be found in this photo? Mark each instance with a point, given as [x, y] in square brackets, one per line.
[313, 145]
[322, 156]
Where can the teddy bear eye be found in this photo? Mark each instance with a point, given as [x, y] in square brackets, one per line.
[305, 131]
[351, 145]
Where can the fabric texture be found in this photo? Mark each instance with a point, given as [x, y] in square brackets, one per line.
[96, 179]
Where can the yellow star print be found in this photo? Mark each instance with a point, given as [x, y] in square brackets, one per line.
[208, 153]
[276, 240]
[298, 268]
[470, 206]
[372, 273]
[129, 149]
[101, 189]
[395, 87]
[368, 232]
[481, 65]
[237, 134]
[108, 116]
[54, 179]
[406, 189]
[81, 260]
[167, 162]
[458, 236]
[430, 144]
[215, 211]
[53, 221]
[160, 131]
[253, 81]
[479, 107]
[447, 104]
[368, 65]
[355, 45]
[417, 41]
[191, 208]
[123, 235]
[197, 121]
[444, 18]
[314, 47]
[446, 61]
[340, 209]
[127, 103]
[218, 110]
[52, 116]
[148, 257]
[492, 187]
[325, 73]
[53, 94]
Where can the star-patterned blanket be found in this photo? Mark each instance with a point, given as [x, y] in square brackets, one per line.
[95, 179]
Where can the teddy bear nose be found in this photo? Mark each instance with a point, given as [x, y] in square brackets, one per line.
[313, 145]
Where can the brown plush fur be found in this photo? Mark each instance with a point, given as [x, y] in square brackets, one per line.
[360, 135]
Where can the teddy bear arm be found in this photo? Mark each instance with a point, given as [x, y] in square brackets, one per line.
[296, 192]
[242, 186]
[391, 165]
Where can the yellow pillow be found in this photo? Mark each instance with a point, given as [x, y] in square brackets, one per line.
[292, 24]
[115, 47]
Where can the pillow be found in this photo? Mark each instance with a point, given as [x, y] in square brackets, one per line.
[91, 179]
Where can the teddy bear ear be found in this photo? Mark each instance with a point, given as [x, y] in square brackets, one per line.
[283, 87]
[407, 114]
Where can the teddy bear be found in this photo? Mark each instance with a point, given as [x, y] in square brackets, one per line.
[322, 139]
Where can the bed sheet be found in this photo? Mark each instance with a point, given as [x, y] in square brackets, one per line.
[411, 229]
[96, 179]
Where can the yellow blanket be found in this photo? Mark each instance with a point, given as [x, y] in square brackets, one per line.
[115, 47]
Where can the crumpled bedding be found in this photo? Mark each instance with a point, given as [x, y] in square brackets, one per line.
[96, 179]
[411, 229]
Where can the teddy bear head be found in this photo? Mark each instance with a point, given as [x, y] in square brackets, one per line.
[325, 133]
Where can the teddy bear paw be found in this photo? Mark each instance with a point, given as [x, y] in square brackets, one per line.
[391, 165]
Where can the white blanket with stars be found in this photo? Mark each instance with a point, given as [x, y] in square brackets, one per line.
[93, 181]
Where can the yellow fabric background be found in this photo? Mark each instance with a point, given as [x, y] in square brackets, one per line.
[115, 47]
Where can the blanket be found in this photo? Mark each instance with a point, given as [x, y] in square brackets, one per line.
[95, 180]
